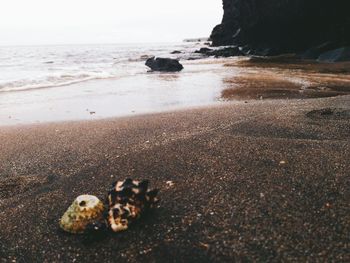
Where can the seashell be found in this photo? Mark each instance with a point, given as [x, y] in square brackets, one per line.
[127, 201]
[85, 210]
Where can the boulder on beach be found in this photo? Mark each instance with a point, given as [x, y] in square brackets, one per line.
[164, 64]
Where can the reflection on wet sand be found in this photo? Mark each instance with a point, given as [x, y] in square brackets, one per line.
[278, 78]
[168, 76]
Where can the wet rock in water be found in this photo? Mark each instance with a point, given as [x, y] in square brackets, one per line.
[176, 52]
[127, 201]
[223, 52]
[336, 55]
[84, 211]
[227, 52]
[164, 64]
[330, 114]
[194, 58]
[204, 50]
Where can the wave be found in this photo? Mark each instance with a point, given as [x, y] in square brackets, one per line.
[28, 68]
[52, 81]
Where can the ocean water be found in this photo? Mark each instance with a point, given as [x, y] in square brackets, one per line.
[32, 67]
[88, 82]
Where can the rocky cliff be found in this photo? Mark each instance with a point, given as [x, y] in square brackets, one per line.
[271, 27]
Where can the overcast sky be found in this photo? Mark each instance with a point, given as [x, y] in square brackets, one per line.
[105, 21]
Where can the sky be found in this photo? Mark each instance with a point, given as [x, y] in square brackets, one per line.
[26, 22]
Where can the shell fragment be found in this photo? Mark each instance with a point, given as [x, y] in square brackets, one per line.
[85, 210]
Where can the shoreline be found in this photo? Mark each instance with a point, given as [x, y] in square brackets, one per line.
[202, 83]
[245, 177]
[199, 84]
[225, 103]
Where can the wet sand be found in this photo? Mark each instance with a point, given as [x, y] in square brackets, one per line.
[257, 181]
[285, 78]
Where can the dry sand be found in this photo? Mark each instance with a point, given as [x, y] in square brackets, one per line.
[256, 181]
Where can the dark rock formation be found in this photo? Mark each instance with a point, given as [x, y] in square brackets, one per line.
[336, 55]
[164, 64]
[270, 27]
[204, 50]
[315, 52]
[222, 52]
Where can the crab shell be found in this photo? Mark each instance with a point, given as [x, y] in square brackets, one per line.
[85, 210]
[127, 201]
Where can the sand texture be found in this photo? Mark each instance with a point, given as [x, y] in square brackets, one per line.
[258, 181]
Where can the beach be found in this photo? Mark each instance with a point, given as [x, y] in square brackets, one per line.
[251, 156]
[187, 131]
[256, 180]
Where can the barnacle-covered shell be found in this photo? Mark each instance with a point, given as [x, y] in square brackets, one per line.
[85, 210]
[127, 201]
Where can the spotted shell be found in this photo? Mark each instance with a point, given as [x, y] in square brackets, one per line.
[85, 210]
[127, 201]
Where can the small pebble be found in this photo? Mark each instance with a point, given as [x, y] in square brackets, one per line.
[170, 183]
